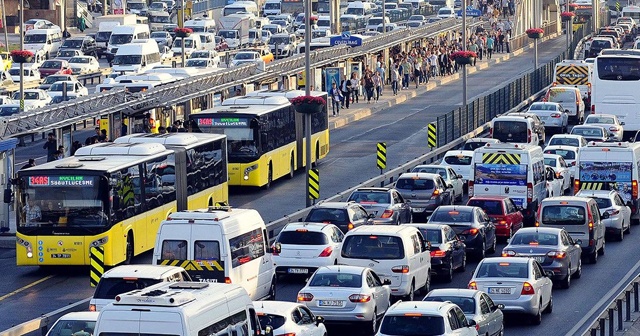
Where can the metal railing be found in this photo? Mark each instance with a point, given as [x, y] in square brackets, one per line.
[618, 313]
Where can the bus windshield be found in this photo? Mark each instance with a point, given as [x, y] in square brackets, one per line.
[61, 201]
[241, 144]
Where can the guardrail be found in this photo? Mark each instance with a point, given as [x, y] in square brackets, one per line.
[92, 76]
[613, 317]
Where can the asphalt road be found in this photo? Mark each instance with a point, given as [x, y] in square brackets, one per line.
[351, 161]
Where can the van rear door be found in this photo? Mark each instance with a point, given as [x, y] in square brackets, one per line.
[206, 251]
[607, 168]
[134, 322]
[501, 173]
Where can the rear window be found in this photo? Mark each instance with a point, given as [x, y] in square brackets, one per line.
[510, 131]
[564, 142]
[303, 238]
[412, 325]
[550, 162]
[108, 288]
[373, 247]
[543, 107]
[459, 160]
[370, 197]
[174, 250]
[432, 170]
[587, 132]
[72, 327]
[275, 321]
[451, 216]
[563, 215]
[467, 304]
[601, 44]
[562, 96]
[566, 154]
[434, 236]
[620, 69]
[415, 184]
[336, 280]
[534, 238]
[491, 207]
[206, 250]
[334, 216]
[599, 120]
[603, 203]
[472, 145]
[503, 270]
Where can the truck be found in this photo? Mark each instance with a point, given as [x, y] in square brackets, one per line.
[104, 34]
[121, 19]
[235, 28]
[158, 19]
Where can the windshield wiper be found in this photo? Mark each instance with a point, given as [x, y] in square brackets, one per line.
[374, 260]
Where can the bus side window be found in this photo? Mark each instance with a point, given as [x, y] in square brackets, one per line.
[127, 193]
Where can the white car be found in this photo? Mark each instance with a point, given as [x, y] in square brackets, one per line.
[245, 57]
[301, 29]
[289, 318]
[610, 122]
[83, 64]
[210, 54]
[450, 176]
[520, 284]
[342, 293]
[460, 161]
[554, 183]
[568, 140]
[76, 323]
[473, 143]
[568, 153]
[426, 318]
[301, 248]
[619, 214]
[6, 100]
[551, 115]
[561, 168]
[34, 98]
[446, 12]
[74, 88]
[200, 63]
[30, 74]
[67, 54]
[39, 24]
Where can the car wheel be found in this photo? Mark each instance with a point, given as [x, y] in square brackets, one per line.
[269, 177]
[537, 318]
[427, 284]
[449, 276]
[374, 322]
[463, 267]
[601, 251]
[481, 254]
[566, 282]
[412, 291]
[292, 168]
[549, 308]
[621, 235]
[593, 258]
[272, 289]
[129, 250]
[492, 249]
[578, 272]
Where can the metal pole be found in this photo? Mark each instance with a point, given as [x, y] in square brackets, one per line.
[21, 48]
[307, 91]
[183, 58]
[535, 53]
[384, 16]
[104, 7]
[4, 23]
[464, 48]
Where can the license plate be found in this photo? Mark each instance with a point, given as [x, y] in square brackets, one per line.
[500, 290]
[417, 209]
[298, 270]
[330, 303]
[539, 259]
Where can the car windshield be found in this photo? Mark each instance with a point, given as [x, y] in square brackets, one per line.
[599, 120]
[302, 237]
[550, 162]
[72, 327]
[197, 63]
[564, 142]
[563, 215]
[587, 132]
[467, 304]
[51, 65]
[336, 280]
[228, 34]
[543, 107]
[566, 154]
[373, 247]
[432, 170]
[245, 56]
[120, 38]
[59, 86]
[83, 60]
[279, 40]
[274, 321]
[327, 215]
[8, 110]
[452, 216]
[403, 325]
[503, 270]
[159, 19]
[67, 53]
[127, 59]
[200, 54]
[108, 288]
[370, 197]
[534, 238]
[35, 38]
[491, 207]
[72, 44]
[415, 184]
[459, 160]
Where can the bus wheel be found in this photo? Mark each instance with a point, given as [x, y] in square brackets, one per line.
[129, 251]
[292, 168]
[269, 177]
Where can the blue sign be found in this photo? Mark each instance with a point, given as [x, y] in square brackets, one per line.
[346, 39]
[471, 12]
[332, 75]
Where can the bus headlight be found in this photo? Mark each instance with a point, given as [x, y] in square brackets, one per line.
[29, 252]
[99, 242]
[248, 170]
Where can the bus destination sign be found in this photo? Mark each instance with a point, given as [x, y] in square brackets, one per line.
[223, 122]
[61, 181]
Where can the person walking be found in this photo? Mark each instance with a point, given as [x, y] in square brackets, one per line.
[417, 73]
[381, 71]
[377, 83]
[507, 38]
[500, 41]
[355, 87]
[345, 86]
[505, 9]
[508, 27]
[51, 146]
[406, 72]
[490, 43]
[473, 47]
[480, 45]
[368, 87]
[395, 76]
[336, 98]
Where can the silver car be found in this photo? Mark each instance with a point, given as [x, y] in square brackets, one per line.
[611, 203]
[553, 248]
[347, 294]
[476, 305]
[551, 115]
[610, 122]
[386, 204]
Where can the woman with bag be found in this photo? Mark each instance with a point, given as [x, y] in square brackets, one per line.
[368, 86]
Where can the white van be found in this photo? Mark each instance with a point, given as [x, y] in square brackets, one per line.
[135, 57]
[191, 44]
[395, 252]
[229, 245]
[360, 8]
[125, 34]
[512, 170]
[103, 36]
[611, 166]
[47, 40]
[272, 7]
[207, 41]
[514, 129]
[185, 308]
[126, 278]
[241, 7]
[199, 25]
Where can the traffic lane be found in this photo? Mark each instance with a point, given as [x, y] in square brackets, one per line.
[352, 157]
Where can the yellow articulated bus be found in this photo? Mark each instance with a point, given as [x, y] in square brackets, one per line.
[115, 195]
[265, 136]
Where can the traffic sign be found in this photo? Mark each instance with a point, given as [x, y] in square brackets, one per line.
[382, 155]
[96, 259]
[346, 39]
[471, 12]
[314, 184]
[432, 135]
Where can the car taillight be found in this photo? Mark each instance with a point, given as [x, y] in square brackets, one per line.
[92, 307]
[491, 132]
[350, 226]
[612, 212]
[590, 226]
[508, 253]
[387, 214]
[572, 164]
[593, 109]
[529, 192]
[576, 186]
[556, 115]
[472, 285]
[304, 297]
[400, 269]
[438, 254]
[527, 289]
[326, 252]
[613, 129]
[359, 298]
[528, 135]
[286, 334]
[227, 280]
[435, 194]
[556, 254]
[634, 188]
[470, 232]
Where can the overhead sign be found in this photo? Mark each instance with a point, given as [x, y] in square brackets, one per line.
[346, 39]
[470, 12]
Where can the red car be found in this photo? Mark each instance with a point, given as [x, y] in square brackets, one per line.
[53, 67]
[221, 43]
[503, 212]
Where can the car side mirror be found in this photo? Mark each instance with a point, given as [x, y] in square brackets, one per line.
[500, 306]
[567, 110]
[427, 246]
[548, 274]
[319, 319]
[386, 282]
[371, 216]
[578, 241]
[605, 215]
[622, 123]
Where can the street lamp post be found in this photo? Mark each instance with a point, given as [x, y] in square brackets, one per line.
[464, 48]
[384, 16]
[21, 48]
[307, 92]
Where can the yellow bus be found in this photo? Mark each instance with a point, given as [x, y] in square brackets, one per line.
[265, 137]
[115, 195]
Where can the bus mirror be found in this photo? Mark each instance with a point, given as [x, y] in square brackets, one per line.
[8, 195]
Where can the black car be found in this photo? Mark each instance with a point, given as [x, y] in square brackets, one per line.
[447, 249]
[345, 215]
[471, 224]
[86, 44]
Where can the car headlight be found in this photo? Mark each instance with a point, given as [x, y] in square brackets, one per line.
[99, 242]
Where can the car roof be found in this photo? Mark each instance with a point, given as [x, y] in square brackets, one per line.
[513, 260]
[419, 175]
[573, 136]
[459, 292]
[341, 269]
[595, 193]
[601, 115]
[565, 199]
[311, 226]
[552, 156]
[588, 126]
[379, 229]
[562, 147]
[426, 225]
[456, 207]
[374, 189]
[459, 152]
[544, 103]
[539, 229]
[493, 198]
[275, 307]
[80, 316]
[146, 271]
[426, 307]
[333, 205]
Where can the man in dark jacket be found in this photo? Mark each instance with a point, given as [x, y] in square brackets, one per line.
[51, 146]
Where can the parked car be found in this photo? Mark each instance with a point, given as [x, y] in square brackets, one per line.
[386, 204]
[476, 305]
[471, 224]
[503, 212]
[345, 215]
